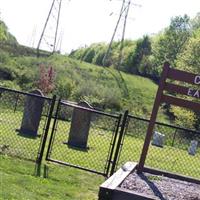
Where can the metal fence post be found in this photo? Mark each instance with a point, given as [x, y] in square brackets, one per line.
[16, 102]
[113, 144]
[39, 159]
[53, 130]
[174, 136]
[116, 155]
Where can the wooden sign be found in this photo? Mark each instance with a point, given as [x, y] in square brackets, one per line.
[177, 75]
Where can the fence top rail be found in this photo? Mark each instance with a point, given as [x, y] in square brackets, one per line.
[167, 125]
[2, 89]
[74, 105]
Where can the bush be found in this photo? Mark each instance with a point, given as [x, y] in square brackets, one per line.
[7, 73]
[63, 89]
[184, 118]
[10, 85]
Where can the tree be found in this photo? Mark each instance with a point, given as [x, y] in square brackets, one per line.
[173, 39]
[5, 35]
[196, 22]
[3, 30]
[88, 57]
[143, 48]
[98, 59]
[189, 59]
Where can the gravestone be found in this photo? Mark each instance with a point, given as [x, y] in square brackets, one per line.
[158, 139]
[193, 147]
[32, 114]
[80, 125]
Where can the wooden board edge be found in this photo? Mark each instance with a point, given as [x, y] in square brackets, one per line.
[107, 188]
[125, 194]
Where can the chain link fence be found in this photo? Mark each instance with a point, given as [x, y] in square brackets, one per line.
[23, 120]
[89, 139]
[172, 148]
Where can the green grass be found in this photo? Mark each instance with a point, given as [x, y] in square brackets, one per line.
[17, 145]
[18, 182]
[171, 159]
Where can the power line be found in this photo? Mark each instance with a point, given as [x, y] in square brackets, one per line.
[123, 16]
[48, 38]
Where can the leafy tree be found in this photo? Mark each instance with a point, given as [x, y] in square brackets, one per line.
[189, 59]
[143, 48]
[5, 36]
[196, 22]
[98, 58]
[173, 39]
[88, 57]
[3, 30]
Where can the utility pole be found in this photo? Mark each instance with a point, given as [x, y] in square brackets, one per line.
[123, 15]
[48, 38]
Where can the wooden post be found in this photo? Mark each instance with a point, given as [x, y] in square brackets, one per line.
[153, 118]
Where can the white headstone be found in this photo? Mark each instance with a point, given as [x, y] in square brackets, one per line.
[193, 147]
[158, 139]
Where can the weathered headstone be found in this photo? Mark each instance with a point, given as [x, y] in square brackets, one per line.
[193, 147]
[80, 125]
[158, 139]
[32, 114]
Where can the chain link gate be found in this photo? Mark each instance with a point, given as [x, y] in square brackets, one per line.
[102, 136]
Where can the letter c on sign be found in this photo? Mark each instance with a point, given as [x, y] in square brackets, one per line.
[197, 80]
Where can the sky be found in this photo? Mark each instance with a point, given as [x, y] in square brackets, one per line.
[83, 22]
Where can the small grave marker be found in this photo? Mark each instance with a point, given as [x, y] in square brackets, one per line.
[158, 139]
[32, 114]
[193, 147]
[80, 125]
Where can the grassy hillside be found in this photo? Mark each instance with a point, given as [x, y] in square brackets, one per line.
[75, 80]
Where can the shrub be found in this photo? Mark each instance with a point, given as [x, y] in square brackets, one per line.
[46, 79]
[63, 89]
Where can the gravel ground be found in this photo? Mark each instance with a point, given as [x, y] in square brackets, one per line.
[161, 187]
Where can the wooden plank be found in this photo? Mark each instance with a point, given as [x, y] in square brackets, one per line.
[124, 194]
[107, 188]
[116, 179]
[182, 90]
[181, 102]
[179, 75]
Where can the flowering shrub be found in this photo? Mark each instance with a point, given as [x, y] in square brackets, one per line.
[46, 82]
